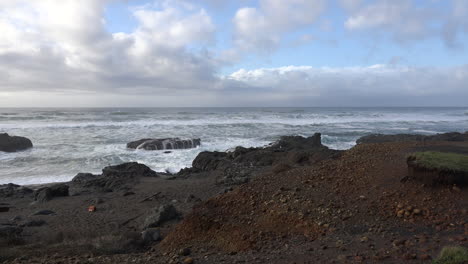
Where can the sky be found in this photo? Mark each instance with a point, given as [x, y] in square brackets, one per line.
[180, 53]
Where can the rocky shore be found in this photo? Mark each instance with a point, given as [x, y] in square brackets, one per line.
[295, 201]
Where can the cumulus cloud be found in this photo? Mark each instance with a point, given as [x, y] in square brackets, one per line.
[64, 45]
[262, 28]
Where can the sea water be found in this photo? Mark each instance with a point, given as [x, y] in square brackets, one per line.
[69, 141]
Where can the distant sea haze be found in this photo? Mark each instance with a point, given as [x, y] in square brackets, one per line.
[69, 141]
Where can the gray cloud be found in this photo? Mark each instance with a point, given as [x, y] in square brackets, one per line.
[407, 21]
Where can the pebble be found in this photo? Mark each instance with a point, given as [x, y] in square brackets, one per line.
[44, 212]
[185, 252]
[188, 260]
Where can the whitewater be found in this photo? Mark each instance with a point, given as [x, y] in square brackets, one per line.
[69, 141]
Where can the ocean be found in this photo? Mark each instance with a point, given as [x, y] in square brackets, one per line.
[69, 141]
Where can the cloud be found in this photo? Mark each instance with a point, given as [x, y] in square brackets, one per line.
[63, 45]
[261, 29]
[404, 20]
[358, 86]
[456, 25]
[408, 21]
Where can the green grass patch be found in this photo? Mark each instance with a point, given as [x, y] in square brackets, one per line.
[452, 255]
[441, 160]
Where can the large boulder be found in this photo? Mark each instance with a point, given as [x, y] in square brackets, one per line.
[14, 191]
[13, 143]
[48, 193]
[118, 177]
[381, 138]
[160, 215]
[164, 143]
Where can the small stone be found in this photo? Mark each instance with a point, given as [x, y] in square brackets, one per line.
[44, 212]
[400, 213]
[456, 188]
[128, 193]
[188, 260]
[151, 235]
[417, 211]
[364, 239]
[185, 252]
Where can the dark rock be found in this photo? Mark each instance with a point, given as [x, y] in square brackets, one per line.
[114, 178]
[15, 191]
[48, 193]
[13, 143]
[128, 170]
[7, 231]
[151, 235]
[34, 223]
[185, 252]
[289, 143]
[44, 212]
[160, 215]
[43, 195]
[164, 143]
[380, 138]
[238, 166]
[4, 209]
[206, 161]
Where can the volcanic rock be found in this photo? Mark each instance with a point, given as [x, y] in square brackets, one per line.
[117, 177]
[47, 193]
[238, 166]
[164, 143]
[13, 190]
[14, 143]
[160, 215]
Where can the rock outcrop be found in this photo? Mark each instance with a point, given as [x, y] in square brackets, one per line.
[381, 138]
[164, 143]
[15, 191]
[240, 165]
[114, 178]
[46, 194]
[14, 143]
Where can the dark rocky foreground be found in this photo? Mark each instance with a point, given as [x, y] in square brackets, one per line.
[14, 143]
[293, 201]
